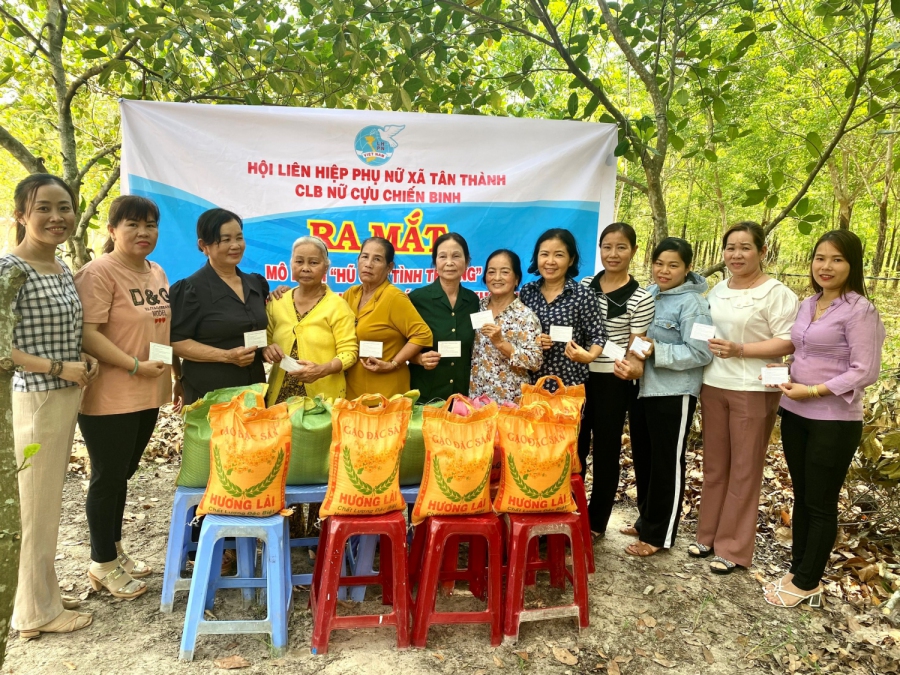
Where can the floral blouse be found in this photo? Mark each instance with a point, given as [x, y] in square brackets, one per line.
[493, 374]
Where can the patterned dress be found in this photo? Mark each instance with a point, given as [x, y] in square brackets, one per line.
[493, 374]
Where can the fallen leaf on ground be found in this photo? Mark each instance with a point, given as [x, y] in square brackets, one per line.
[522, 655]
[70, 666]
[648, 590]
[613, 668]
[662, 660]
[708, 656]
[648, 620]
[498, 662]
[231, 662]
[564, 656]
[783, 535]
[439, 657]
[641, 652]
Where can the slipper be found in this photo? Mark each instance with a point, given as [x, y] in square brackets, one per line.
[67, 622]
[595, 535]
[719, 565]
[69, 602]
[630, 531]
[698, 550]
[642, 549]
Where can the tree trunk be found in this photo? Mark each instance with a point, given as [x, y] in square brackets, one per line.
[878, 260]
[657, 204]
[10, 518]
[845, 212]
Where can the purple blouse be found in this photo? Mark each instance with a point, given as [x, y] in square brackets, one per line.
[842, 350]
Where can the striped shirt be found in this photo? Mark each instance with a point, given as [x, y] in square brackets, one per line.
[632, 313]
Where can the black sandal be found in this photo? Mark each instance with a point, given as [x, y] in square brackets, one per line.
[727, 567]
[698, 550]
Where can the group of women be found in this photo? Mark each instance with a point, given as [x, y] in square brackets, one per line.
[92, 332]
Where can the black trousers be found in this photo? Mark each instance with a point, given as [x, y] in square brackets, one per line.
[115, 444]
[818, 454]
[659, 432]
[608, 400]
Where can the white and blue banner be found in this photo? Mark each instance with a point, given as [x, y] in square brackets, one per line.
[345, 175]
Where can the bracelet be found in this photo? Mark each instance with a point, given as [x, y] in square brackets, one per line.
[394, 364]
[813, 391]
[742, 350]
[56, 367]
[134, 370]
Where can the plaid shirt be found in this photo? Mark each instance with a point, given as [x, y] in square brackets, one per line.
[50, 322]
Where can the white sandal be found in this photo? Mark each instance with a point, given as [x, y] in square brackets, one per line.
[814, 599]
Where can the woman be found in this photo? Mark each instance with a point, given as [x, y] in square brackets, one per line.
[314, 326]
[753, 315]
[837, 339]
[126, 308]
[627, 311]
[445, 307]
[385, 317]
[558, 300]
[50, 372]
[507, 350]
[673, 374]
[214, 307]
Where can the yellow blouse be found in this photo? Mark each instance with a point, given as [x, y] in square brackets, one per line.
[389, 317]
[328, 331]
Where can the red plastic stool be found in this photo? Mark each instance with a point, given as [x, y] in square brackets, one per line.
[432, 541]
[392, 577]
[523, 528]
[581, 501]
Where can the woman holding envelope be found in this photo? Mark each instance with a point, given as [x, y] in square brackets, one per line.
[838, 338]
[126, 316]
[389, 328]
[219, 312]
[443, 369]
[572, 330]
[314, 327]
[753, 315]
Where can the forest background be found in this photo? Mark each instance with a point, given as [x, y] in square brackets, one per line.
[781, 111]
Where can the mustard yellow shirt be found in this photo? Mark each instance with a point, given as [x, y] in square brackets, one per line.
[389, 317]
[328, 331]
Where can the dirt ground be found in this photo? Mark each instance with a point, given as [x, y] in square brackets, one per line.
[663, 614]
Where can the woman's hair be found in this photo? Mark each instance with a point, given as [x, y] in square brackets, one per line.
[315, 241]
[568, 241]
[209, 225]
[384, 243]
[755, 229]
[513, 260]
[449, 236]
[849, 246]
[677, 244]
[129, 207]
[626, 229]
[25, 193]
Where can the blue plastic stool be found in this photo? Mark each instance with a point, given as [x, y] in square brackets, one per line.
[274, 531]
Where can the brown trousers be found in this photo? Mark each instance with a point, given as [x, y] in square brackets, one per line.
[736, 430]
[47, 418]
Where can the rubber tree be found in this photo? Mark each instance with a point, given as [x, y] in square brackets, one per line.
[10, 522]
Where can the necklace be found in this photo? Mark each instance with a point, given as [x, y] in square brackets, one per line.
[748, 286]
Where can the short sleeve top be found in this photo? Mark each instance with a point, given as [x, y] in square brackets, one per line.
[50, 321]
[748, 315]
[207, 310]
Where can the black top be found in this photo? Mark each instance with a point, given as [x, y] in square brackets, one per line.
[451, 376]
[206, 309]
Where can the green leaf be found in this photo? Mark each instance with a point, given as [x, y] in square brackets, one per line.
[676, 141]
[528, 88]
[746, 5]
[772, 201]
[710, 155]
[777, 179]
[814, 144]
[282, 32]
[527, 64]
[802, 207]
[804, 227]
[754, 197]
[93, 54]
[621, 148]
[572, 105]
[682, 97]
[31, 450]
[718, 109]
[895, 8]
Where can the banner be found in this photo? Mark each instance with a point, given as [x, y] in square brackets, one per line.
[345, 175]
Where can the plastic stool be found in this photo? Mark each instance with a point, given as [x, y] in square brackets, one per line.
[485, 535]
[522, 529]
[581, 501]
[274, 531]
[392, 577]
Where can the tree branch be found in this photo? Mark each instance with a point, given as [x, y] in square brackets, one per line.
[82, 79]
[632, 182]
[91, 209]
[22, 154]
[90, 163]
[488, 19]
[35, 39]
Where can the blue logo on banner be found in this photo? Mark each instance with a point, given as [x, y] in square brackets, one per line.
[375, 145]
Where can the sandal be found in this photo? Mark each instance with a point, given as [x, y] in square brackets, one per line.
[136, 568]
[698, 550]
[67, 622]
[642, 549]
[630, 531]
[119, 583]
[776, 585]
[719, 565]
[68, 602]
[814, 599]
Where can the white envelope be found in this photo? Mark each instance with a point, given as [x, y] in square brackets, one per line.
[480, 319]
[701, 331]
[775, 375]
[561, 333]
[613, 351]
[289, 364]
[255, 338]
[370, 348]
[639, 346]
[160, 352]
[449, 348]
